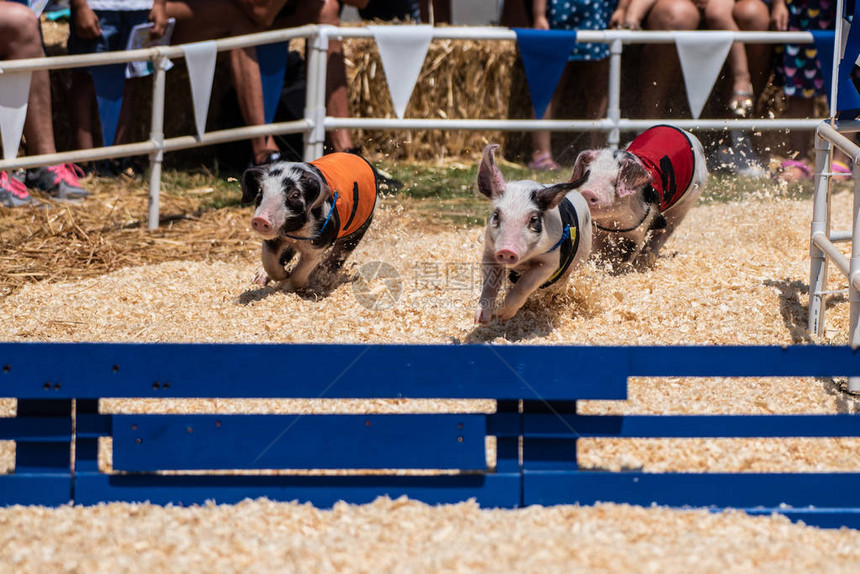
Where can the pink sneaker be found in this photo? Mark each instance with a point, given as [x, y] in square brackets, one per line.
[59, 181]
[13, 192]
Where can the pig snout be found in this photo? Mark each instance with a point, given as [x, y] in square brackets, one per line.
[590, 196]
[507, 257]
[262, 225]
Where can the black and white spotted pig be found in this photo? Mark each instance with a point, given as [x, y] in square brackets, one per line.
[537, 234]
[309, 209]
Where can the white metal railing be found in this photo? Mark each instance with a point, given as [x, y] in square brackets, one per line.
[822, 243]
[315, 122]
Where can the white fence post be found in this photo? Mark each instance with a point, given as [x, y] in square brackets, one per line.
[317, 72]
[613, 111]
[156, 136]
[820, 225]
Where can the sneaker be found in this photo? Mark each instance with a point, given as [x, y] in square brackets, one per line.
[58, 181]
[13, 192]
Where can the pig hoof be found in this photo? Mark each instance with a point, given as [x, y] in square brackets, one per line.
[261, 278]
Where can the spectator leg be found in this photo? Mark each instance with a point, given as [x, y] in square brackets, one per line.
[664, 70]
[198, 20]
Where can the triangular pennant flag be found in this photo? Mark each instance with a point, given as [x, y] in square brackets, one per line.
[200, 59]
[402, 50]
[14, 93]
[273, 66]
[702, 56]
[823, 40]
[847, 96]
[109, 82]
[544, 54]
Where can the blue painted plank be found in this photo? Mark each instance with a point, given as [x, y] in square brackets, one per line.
[820, 517]
[742, 490]
[744, 361]
[93, 370]
[188, 442]
[36, 429]
[40, 489]
[695, 426]
[490, 490]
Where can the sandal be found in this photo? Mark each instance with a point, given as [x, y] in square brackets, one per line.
[544, 162]
[741, 103]
[794, 170]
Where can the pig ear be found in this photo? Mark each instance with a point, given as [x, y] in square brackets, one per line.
[632, 176]
[548, 197]
[583, 160]
[490, 180]
[251, 183]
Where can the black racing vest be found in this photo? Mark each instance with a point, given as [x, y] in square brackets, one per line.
[568, 244]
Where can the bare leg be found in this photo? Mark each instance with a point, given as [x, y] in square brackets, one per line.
[595, 79]
[718, 15]
[198, 20]
[337, 98]
[662, 59]
[83, 97]
[19, 38]
[754, 16]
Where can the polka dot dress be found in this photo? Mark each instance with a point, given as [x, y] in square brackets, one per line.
[582, 15]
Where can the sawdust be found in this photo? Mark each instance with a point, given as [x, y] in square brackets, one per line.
[734, 273]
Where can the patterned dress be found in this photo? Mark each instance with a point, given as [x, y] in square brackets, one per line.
[797, 67]
[582, 15]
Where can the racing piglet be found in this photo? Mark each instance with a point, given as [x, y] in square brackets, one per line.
[319, 210]
[536, 235]
[639, 195]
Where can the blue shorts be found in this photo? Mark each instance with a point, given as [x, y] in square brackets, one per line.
[116, 26]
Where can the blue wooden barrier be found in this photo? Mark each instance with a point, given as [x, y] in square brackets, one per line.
[536, 389]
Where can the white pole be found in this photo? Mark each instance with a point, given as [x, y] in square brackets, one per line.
[156, 135]
[613, 111]
[820, 225]
[315, 112]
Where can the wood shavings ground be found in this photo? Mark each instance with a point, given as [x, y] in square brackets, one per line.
[733, 273]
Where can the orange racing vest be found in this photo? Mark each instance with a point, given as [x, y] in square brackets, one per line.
[354, 181]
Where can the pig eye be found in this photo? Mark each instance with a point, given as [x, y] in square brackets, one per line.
[495, 218]
[535, 223]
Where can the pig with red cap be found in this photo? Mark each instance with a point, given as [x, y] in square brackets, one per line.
[536, 236]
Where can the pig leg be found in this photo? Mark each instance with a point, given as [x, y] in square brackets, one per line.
[525, 286]
[299, 276]
[275, 255]
[343, 249]
[493, 275]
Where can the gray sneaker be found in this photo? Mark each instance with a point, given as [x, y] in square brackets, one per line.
[13, 192]
[59, 181]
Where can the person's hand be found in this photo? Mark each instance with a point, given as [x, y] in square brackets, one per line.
[541, 23]
[779, 17]
[616, 21]
[158, 17]
[87, 23]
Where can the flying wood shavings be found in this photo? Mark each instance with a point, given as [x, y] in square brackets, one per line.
[733, 273]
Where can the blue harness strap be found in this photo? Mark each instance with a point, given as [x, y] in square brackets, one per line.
[327, 219]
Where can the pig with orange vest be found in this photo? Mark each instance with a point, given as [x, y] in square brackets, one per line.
[318, 210]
